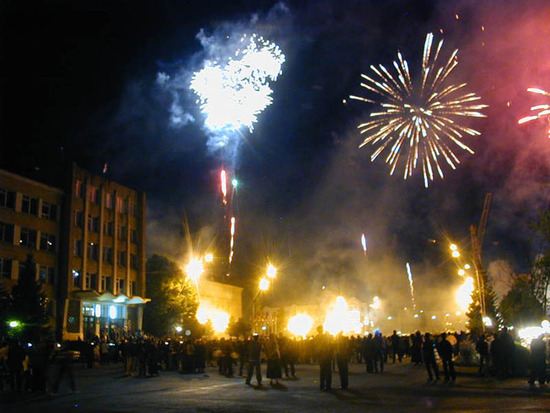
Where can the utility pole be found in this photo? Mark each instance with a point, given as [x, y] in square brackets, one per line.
[476, 244]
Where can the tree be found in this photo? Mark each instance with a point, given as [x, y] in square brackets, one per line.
[540, 270]
[521, 307]
[5, 303]
[29, 302]
[540, 273]
[174, 299]
[239, 328]
[475, 320]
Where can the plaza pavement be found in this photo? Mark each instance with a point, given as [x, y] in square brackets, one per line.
[401, 388]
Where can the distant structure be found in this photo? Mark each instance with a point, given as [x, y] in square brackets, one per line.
[88, 240]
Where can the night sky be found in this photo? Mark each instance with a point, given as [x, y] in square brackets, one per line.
[79, 83]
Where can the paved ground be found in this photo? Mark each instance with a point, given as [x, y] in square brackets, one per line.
[402, 387]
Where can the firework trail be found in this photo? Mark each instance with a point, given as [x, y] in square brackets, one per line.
[409, 274]
[542, 111]
[419, 120]
[232, 241]
[223, 186]
[364, 243]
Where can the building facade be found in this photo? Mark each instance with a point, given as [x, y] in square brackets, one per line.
[89, 244]
[30, 222]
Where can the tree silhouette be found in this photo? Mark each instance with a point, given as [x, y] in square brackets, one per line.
[29, 302]
[173, 298]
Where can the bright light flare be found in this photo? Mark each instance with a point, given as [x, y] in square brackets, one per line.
[376, 303]
[300, 325]
[218, 318]
[419, 121]
[335, 321]
[232, 94]
[271, 271]
[194, 269]
[463, 296]
[264, 284]
[364, 243]
[340, 319]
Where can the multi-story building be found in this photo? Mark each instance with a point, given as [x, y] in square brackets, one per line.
[95, 244]
[30, 222]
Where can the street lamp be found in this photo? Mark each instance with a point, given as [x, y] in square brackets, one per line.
[271, 271]
[264, 284]
[194, 269]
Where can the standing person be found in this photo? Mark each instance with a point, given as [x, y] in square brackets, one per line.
[64, 360]
[538, 361]
[482, 347]
[324, 351]
[428, 356]
[254, 350]
[416, 349]
[342, 355]
[380, 351]
[508, 352]
[273, 355]
[445, 350]
[396, 347]
[15, 358]
[369, 353]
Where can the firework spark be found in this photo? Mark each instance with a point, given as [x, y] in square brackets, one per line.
[232, 240]
[235, 93]
[223, 185]
[364, 243]
[420, 120]
[541, 111]
[410, 276]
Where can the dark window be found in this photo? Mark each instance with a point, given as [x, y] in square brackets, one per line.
[92, 194]
[93, 223]
[109, 284]
[78, 248]
[122, 232]
[78, 189]
[7, 198]
[134, 261]
[108, 228]
[28, 237]
[6, 232]
[122, 258]
[120, 286]
[108, 255]
[5, 267]
[91, 281]
[47, 242]
[49, 211]
[133, 236]
[29, 205]
[77, 279]
[108, 200]
[47, 275]
[134, 288]
[78, 219]
[93, 251]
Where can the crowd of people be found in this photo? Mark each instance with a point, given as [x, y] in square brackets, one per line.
[40, 367]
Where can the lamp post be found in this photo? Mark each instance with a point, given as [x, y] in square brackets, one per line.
[265, 282]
